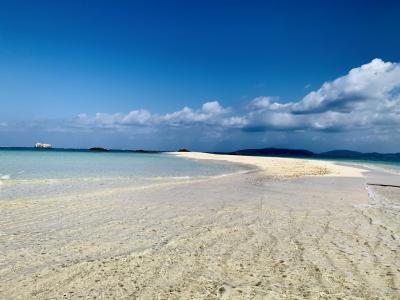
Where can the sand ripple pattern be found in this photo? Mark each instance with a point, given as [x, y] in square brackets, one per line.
[236, 237]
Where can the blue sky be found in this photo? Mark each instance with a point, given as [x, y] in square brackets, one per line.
[119, 74]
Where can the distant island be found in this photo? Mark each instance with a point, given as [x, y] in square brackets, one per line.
[343, 154]
[98, 149]
[274, 152]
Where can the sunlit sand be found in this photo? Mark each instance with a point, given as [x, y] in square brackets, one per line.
[270, 232]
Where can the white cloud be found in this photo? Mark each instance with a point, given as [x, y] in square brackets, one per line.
[114, 121]
[213, 108]
[210, 113]
[238, 122]
[371, 82]
[267, 103]
[367, 96]
[137, 117]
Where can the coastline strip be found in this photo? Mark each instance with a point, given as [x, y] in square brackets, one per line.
[280, 167]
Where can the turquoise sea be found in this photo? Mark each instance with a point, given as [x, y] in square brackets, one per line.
[29, 173]
[32, 173]
[387, 165]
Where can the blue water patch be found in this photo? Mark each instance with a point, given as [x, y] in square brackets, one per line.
[37, 174]
[44, 164]
[391, 165]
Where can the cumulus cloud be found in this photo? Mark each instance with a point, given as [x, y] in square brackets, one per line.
[368, 96]
[372, 82]
[210, 113]
[114, 121]
[137, 117]
[267, 103]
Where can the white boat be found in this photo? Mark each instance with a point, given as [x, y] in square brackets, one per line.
[46, 146]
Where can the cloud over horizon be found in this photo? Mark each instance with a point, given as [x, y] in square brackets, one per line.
[366, 99]
[368, 96]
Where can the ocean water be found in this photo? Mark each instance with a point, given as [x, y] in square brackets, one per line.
[32, 173]
[388, 165]
[393, 166]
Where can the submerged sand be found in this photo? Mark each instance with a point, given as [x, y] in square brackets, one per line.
[242, 236]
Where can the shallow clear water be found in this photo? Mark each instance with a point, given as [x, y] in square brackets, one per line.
[30, 172]
[390, 165]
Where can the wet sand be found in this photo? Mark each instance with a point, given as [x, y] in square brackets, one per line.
[256, 235]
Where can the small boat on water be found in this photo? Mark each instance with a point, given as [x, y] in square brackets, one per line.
[43, 146]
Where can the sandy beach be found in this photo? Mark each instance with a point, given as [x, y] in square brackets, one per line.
[279, 167]
[286, 229]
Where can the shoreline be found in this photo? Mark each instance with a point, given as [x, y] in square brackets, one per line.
[282, 167]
